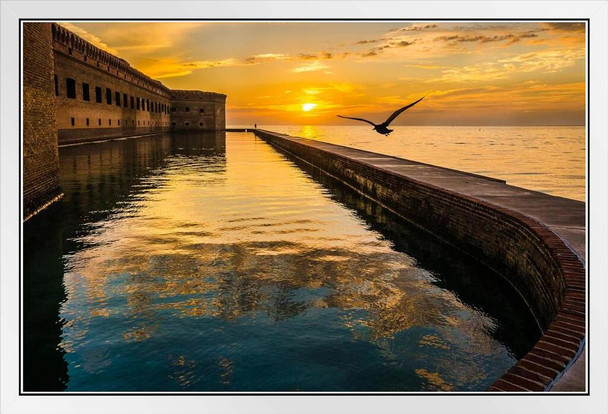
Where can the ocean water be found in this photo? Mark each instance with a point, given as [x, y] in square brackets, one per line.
[549, 159]
[210, 262]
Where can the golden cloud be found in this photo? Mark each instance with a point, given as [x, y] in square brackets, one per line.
[311, 67]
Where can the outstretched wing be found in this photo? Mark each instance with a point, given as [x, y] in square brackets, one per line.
[357, 119]
[398, 111]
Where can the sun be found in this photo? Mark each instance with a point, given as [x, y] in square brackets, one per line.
[308, 106]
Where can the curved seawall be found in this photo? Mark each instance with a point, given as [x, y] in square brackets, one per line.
[534, 240]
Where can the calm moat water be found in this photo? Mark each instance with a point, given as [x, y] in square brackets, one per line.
[211, 262]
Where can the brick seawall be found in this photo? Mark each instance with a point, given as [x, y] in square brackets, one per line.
[536, 241]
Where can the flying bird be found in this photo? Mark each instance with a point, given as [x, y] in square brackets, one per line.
[383, 127]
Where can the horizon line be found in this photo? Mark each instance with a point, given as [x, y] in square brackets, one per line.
[448, 125]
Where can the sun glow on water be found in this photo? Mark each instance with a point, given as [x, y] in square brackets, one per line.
[259, 255]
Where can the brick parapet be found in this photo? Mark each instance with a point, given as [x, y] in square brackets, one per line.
[71, 45]
[191, 95]
[549, 275]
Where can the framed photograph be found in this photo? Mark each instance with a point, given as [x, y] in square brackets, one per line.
[303, 206]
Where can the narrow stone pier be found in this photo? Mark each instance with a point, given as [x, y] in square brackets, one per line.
[535, 240]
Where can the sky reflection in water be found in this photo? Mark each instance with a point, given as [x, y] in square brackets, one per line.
[209, 263]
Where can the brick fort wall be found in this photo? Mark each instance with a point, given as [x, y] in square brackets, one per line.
[102, 96]
[40, 152]
[74, 92]
[197, 110]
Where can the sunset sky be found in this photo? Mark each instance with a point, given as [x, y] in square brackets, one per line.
[471, 73]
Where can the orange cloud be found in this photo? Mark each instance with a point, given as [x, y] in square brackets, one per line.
[468, 70]
[316, 65]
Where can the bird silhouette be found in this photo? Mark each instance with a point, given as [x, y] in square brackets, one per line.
[383, 127]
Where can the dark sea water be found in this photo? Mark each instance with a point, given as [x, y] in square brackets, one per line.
[210, 262]
[549, 159]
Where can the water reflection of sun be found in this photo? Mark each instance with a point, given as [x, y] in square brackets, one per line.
[308, 131]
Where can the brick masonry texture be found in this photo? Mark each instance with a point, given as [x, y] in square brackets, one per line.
[40, 152]
[75, 92]
[545, 271]
[197, 110]
[149, 106]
